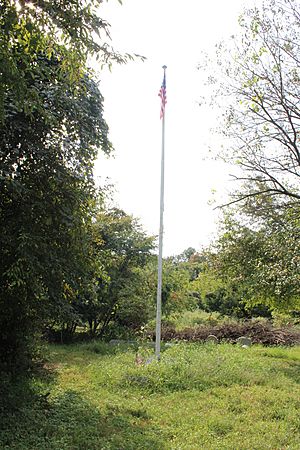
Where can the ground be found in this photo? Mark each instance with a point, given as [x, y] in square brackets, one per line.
[199, 396]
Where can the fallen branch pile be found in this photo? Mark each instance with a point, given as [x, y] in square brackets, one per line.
[259, 332]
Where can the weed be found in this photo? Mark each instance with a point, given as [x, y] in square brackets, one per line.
[197, 397]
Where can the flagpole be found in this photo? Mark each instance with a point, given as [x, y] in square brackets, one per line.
[160, 242]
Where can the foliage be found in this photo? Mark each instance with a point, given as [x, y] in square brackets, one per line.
[258, 251]
[217, 292]
[71, 31]
[121, 247]
[176, 274]
[191, 319]
[256, 78]
[46, 195]
[175, 288]
[263, 261]
[260, 76]
[50, 131]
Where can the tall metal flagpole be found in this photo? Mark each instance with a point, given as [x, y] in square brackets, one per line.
[162, 94]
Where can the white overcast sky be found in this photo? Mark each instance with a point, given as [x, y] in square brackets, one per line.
[174, 33]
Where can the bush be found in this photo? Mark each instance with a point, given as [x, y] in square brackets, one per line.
[231, 304]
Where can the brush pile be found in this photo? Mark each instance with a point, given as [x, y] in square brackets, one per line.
[259, 332]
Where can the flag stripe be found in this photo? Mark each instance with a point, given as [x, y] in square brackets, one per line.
[163, 95]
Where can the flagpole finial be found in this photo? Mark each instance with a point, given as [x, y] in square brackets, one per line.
[164, 67]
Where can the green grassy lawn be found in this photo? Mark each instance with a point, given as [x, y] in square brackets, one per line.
[197, 397]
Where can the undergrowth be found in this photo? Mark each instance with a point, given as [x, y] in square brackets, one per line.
[197, 397]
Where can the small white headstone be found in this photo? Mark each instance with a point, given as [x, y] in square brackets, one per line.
[212, 339]
[116, 342]
[244, 341]
[121, 341]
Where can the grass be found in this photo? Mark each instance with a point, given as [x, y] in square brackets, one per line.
[189, 319]
[197, 397]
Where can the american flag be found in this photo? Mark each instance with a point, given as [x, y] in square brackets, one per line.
[163, 95]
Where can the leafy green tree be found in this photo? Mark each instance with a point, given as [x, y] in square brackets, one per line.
[259, 76]
[217, 290]
[51, 128]
[262, 261]
[72, 31]
[46, 195]
[121, 248]
[176, 294]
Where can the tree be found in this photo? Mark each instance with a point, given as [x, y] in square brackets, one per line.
[176, 294]
[261, 77]
[51, 128]
[72, 31]
[263, 262]
[46, 196]
[121, 248]
[218, 291]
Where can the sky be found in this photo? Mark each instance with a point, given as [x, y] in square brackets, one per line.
[175, 34]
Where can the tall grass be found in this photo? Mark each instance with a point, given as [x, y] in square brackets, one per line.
[196, 397]
[190, 319]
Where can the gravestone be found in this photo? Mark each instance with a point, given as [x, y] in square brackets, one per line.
[244, 341]
[121, 341]
[212, 339]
